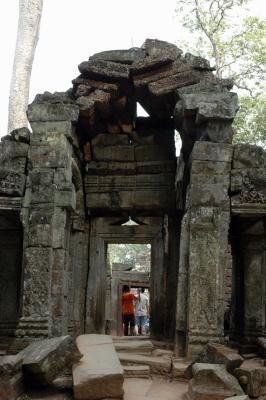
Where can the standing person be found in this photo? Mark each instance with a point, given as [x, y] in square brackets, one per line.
[128, 312]
[142, 311]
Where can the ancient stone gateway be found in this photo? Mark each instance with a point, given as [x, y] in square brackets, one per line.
[91, 162]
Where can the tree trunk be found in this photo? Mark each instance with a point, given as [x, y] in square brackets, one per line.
[30, 12]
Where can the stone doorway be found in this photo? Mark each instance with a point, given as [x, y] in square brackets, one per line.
[127, 264]
[10, 272]
[248, 312]
[110, 230]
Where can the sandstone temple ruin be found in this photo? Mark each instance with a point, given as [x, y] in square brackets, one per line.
[91, 163]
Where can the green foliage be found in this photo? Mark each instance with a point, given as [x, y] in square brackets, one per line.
[236, 46]
[135, 254]
[250, 121]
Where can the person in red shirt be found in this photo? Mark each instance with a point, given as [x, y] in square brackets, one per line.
[128, 310]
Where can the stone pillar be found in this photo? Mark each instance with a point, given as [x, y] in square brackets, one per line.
[209, 217]
[48, 202]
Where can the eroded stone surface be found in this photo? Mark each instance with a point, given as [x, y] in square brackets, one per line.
[11, 378]
[252, 377]
[99, 374]
[215, 353]
[158, 365]
[45, 359]
[212, 381]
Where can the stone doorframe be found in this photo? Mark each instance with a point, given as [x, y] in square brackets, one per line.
[103, 231]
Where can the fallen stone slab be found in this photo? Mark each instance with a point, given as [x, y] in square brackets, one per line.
[212, 382]
[244, 397]
[160, 48]
[107, 70]
[158, 365]
[45, 359]
[99, 374]
[11, 378]
[252, 377]
[121, 56]
[136, 371]
[215, 353]
[135, 346]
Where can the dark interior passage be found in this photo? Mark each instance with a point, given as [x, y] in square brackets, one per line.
[10, 267]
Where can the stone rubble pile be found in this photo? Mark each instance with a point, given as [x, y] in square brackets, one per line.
[219, 372]
[164, 82]
[37, 366]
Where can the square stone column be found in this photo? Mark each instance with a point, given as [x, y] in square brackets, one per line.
[49, 200]
[205, 226]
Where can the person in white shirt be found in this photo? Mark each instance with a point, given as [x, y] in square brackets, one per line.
[142, 311]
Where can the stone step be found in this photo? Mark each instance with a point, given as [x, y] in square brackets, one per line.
[129, 338]
[134, 346]
[136, 371]
[98, 374]
[179, 368]
[158, 365]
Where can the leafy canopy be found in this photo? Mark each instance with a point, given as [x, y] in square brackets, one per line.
[234, 41]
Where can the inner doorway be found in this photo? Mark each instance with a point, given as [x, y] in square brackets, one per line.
[113, 230]
[127, 264]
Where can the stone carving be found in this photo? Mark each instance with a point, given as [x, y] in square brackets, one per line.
[249, 194]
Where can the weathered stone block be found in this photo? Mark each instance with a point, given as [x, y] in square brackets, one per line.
[156, 66]
[11, 379]
[199, 179]
[44, 360]
[198, 62]
[66, 198]
[160, 48]
[152, 153]
[155, 167]
[91, 84]
[212, 381]
[38, 262]
[12, 183]
[209, 195]
[158, 365]
[40, 235]
[216, 353]
[248, 156]
[120, 56]
[99, 374]
[207, 151]
[210, 168]
[169, 84]
[252, 377]
[244, 397]
[21, 135]
[211, 105]
[49, 111]
[105, 139]
[113, 153]
[109, 71]
[55, 153]
[111, 168]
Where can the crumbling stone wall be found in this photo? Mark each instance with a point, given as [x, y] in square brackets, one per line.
[91, 162]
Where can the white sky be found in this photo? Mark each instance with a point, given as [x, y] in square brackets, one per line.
[72, 30]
